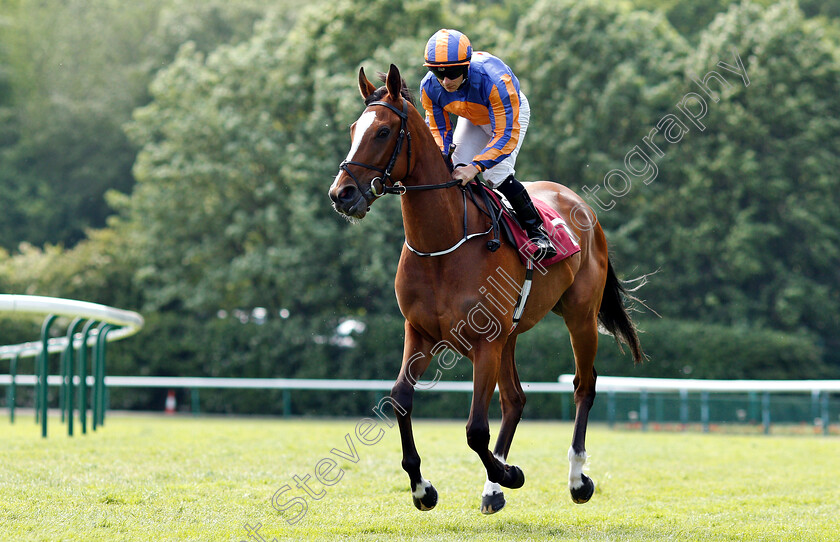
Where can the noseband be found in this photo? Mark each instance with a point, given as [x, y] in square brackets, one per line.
[379, 186]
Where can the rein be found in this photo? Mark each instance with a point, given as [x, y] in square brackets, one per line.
[466, 237]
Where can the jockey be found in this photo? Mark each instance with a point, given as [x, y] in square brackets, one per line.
[494, 115]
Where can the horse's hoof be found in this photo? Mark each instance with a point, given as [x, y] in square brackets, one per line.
[428, 500]
[584, 492]
[514, 477]
[490, 504]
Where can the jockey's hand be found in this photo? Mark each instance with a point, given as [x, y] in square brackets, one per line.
[465, 174]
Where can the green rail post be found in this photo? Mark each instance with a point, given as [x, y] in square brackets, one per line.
[659, 407]
[83, 359]
[195, 401]
[643, 409]
[704, 410]
[98, 373]
[765, 412]
[62, 364]
[287, 403]
[684, 409]
[101, 375]
[68, 372]
[815, 406]
[13, 386]
[752, 412]
[36, 371]
[826, 421]
[611, 408]
[44, 371]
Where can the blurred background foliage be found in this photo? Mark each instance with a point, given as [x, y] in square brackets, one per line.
[173, 157]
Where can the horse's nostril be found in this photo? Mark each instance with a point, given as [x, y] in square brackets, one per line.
[348, 194]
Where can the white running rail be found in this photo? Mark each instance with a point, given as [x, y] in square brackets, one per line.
[127, 322]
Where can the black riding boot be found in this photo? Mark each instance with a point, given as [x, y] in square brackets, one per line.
[527, 216]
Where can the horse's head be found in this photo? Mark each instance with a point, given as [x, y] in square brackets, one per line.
[381, 147]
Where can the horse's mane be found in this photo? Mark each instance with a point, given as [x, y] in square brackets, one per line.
[380, 93]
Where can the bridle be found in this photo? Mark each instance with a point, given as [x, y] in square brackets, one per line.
[384, 184]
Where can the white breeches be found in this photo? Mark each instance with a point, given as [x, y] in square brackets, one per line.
[470, 139]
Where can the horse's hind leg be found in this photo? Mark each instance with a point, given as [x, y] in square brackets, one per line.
[416, 360]
[512, 400]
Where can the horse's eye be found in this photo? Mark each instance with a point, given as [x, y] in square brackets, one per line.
[383, 132]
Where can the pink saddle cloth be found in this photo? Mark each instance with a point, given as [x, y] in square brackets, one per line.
[558, 231]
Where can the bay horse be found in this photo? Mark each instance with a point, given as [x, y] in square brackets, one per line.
[439, 287]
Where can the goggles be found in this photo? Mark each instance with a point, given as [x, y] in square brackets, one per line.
[449, 72]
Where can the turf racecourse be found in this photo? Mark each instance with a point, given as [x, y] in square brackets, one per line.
[182, 478]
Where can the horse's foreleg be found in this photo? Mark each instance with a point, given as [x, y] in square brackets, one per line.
[416, 360]
[512, 400]
[584, 336]
[485, 376]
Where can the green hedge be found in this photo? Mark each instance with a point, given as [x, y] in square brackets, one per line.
[681, 349]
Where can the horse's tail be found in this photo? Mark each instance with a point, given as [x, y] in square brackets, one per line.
[613, 315]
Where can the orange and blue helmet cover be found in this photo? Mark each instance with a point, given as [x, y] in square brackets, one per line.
[449, 48]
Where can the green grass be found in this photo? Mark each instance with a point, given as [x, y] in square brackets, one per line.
[179, 478]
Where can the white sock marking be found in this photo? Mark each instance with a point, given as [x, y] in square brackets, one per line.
[491, 488]
[420, 492]
[576, 462]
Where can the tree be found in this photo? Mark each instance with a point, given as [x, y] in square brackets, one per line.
[691, 17]
[237, 151]
[742, 221]
[74, 71]
[596, 73]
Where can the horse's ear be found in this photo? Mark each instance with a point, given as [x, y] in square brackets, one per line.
[394, 83]
[365, 86]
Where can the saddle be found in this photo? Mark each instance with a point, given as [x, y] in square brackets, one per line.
[496, 207]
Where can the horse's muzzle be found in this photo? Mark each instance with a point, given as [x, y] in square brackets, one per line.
[349, 201]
